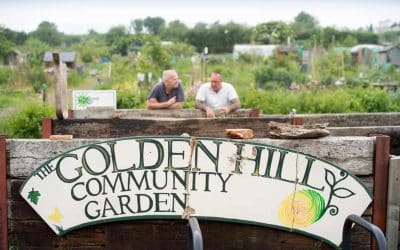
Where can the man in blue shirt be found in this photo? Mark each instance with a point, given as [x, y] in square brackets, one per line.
[167, 94]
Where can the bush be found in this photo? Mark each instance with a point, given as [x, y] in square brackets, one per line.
[263, 75]
[376, 101]
[131, 100]
[74, 79]
[86, 56]
[6, 76]
[37, 77]
[329, 100]
[179, 49]
[28, 122]
[283, 76]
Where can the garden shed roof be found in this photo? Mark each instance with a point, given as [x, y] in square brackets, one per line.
[375, 47]
[64, 56]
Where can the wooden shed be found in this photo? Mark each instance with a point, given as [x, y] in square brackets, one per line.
[69, 58]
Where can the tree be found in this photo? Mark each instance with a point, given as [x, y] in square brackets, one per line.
[47, 32]
[115, 33]
[6, 45]
[153, 57]
[92, 48]
[154, 24]
[303, 25]
[349, 41]
[366, 37]
[271, 33]
[137, 26]
[35, 49]
[198, 36]
[118, 39]
[235, 33]
[175, 31]
[17, 38]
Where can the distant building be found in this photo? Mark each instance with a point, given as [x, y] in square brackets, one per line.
[366, 54]
[284, 50]
[371, 54]
[14, 58]
[393, 54]
[69, 58]
[252, 49]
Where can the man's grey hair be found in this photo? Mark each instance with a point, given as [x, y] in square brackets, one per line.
[167, 73]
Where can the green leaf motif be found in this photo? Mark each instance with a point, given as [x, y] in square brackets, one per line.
[83, 100]
[330, 178]
[33, 196]
[342, 193]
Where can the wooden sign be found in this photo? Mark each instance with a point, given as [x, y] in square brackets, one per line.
[83, 99]
[210, 178]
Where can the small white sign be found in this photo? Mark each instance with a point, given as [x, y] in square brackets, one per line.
[158, 177]
[83, 99]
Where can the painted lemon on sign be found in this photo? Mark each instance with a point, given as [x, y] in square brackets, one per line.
[301, 208]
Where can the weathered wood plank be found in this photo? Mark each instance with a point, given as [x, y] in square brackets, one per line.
[392, 224]
[3, 193]
[352, 153]
[109, 113]
[35, 233]
[353, 119]
[392, 131]
[113, 128]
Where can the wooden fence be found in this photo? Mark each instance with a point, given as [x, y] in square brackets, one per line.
[357, 144]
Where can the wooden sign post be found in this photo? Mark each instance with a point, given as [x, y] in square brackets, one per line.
[60, 72]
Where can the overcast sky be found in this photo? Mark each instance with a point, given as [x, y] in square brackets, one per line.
[78, 16]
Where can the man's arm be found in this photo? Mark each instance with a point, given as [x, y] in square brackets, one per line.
[176, 105]
[200, 105]
[152, 103]
[234, 104]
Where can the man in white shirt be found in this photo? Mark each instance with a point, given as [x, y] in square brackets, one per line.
[217, 97]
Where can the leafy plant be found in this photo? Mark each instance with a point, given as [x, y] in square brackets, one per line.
[6, 76]
[28, 122]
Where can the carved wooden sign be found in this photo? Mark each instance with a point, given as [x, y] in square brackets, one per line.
[212, 178]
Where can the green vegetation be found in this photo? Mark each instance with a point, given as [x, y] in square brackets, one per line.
[335, 100]
[131, 59]
[27, 123]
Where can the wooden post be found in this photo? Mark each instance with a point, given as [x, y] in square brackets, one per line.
[392, 225]
[46, 128]
[60, 72]
[381, 173]
[109, 71]
[3, 194]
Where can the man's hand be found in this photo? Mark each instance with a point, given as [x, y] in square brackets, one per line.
[209, 112]
[171, 101]
[224, 110]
